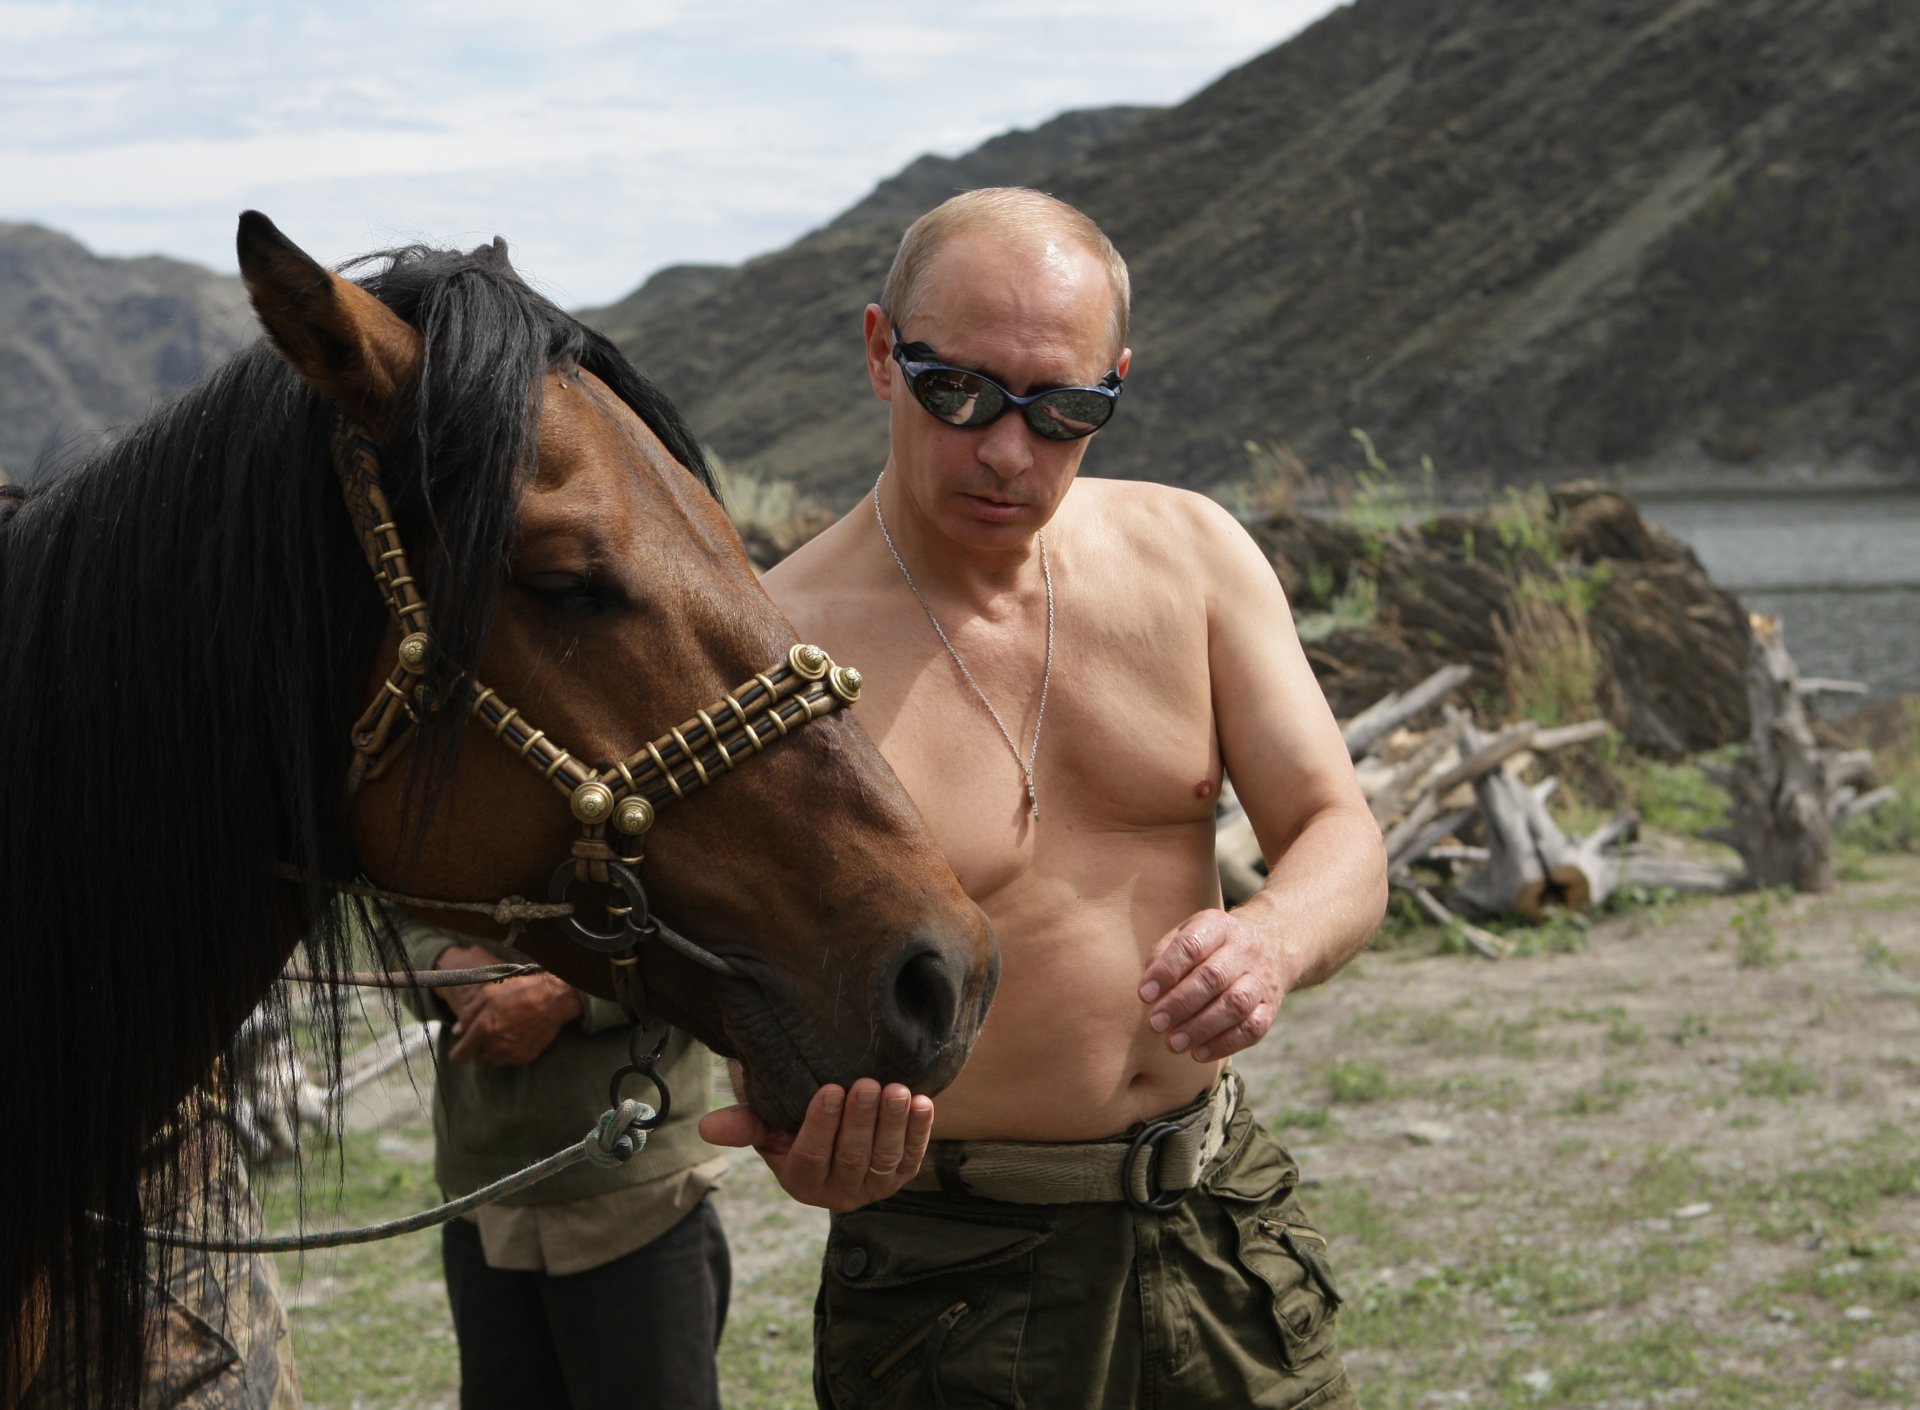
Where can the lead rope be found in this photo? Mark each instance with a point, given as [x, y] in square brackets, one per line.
[620, 1131]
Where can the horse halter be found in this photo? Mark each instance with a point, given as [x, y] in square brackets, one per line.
[615, 805]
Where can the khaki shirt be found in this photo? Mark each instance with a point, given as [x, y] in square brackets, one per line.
[579, 1234]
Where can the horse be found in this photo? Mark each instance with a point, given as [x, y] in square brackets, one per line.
[425, 477]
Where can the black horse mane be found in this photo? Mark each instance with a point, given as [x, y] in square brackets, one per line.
[186, 629]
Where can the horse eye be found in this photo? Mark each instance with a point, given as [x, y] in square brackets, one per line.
[573, 593]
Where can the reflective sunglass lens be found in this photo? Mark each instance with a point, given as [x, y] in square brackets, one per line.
[958, 398]
[1068, 414]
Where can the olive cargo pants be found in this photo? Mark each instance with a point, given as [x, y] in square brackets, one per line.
[931, 1300]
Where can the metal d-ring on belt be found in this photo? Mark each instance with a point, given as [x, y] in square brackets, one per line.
[615, 805]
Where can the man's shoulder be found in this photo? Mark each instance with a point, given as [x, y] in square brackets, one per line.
[810, 566]
[1147, 514]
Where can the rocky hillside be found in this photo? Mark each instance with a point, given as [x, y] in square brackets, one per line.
[88, 343]
[1612, 235]
[672, 324]
[1642, 238]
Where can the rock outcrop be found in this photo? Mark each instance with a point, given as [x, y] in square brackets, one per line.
[1669, 649]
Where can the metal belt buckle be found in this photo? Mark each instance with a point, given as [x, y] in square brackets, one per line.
[1158, 1201]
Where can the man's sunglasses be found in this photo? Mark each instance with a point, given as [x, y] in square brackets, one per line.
[973, 399]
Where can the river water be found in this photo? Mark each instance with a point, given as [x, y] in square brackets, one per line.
[1841, 571]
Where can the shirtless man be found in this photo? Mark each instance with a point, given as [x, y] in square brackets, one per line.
[1102, 1222]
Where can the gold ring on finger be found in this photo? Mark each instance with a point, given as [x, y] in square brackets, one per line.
[876, 1170]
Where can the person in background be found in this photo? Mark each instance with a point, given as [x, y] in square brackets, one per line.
[601, 1286]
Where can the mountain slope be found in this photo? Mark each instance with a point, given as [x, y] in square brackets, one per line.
[698, 330]
[1624, 235]
[88, 343]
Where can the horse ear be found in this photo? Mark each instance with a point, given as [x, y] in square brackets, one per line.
[339, 337]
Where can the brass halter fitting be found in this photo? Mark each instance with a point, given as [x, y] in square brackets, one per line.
[810, 661]
[591, 802]
[796, 691]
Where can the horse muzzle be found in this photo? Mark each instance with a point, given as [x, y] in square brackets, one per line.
[924, 1010]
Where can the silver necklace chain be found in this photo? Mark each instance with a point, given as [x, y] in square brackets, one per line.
[1046, 673]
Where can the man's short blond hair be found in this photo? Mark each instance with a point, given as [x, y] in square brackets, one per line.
[1005, 210]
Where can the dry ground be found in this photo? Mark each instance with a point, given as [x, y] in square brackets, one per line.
[1675, 1166]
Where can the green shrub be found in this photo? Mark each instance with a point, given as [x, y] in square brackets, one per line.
[1356, 1082]
[1679, 798]
[1781, 1078]
[1381, 501]
[1894, 826]
[1354, 609]
[1756, 945]
[1558, 932]
[1552, 667]
[1275, 478]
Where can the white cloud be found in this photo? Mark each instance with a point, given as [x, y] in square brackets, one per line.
[603, 141]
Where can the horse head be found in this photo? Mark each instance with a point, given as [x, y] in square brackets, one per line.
[611, 604]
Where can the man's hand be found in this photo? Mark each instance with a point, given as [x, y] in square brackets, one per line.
[853, 1147]
[510, 1022]
[1214, 983]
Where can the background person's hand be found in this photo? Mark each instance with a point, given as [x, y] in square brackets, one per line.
[507, 1023]
[854, 1146]
[1213, 985]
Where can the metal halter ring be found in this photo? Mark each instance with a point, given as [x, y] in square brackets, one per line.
[621, 1074]
[1146, 1143]
[632, 926]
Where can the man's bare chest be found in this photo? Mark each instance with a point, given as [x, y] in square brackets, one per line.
[1126, 746]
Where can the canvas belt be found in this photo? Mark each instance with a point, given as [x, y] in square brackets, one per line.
[1154, 1165]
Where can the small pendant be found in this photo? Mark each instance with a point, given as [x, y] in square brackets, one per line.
[1033, 798]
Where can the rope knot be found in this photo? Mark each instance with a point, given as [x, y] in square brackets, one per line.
[618, 1133]
[509, 909]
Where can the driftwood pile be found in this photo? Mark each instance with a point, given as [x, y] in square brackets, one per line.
[1468, 838]
[269, 1097]
[1788, 792]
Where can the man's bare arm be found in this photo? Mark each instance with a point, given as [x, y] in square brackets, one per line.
[1215, 982]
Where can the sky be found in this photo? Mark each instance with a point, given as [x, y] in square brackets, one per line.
[603, 140]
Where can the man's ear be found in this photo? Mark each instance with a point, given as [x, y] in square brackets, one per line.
[342, 339]
[1123, 362]
[879, 331]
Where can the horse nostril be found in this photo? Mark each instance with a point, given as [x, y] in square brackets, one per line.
[926, 997]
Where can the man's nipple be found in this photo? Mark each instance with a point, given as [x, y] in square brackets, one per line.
[1203, 789]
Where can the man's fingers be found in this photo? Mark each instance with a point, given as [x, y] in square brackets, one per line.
[1179, 951]
[890, 1133]
[1218, 974]
[919, 1136]
[1224, 1028]
[853, 1152]
[809, 1162]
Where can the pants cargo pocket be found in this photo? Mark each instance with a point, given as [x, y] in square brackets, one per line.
[1303, 1305]
[1285, 1254]
[920, 1311]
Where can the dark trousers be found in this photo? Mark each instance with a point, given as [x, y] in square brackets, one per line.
[639, 1331]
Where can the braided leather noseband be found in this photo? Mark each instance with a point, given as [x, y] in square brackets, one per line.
[615, 805]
